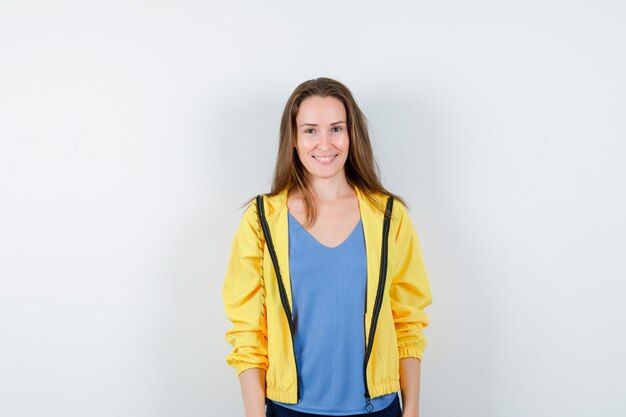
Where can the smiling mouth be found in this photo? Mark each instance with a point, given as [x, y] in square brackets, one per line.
[324, 159]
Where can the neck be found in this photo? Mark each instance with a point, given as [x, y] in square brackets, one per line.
[329, 189]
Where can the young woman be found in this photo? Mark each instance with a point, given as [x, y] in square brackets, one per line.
[325, 287]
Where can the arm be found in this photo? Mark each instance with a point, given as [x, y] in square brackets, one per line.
[410, 386]
[244, 303]
[252, 383]
[410, 294]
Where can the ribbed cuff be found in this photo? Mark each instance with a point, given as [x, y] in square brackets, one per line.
[242, 366]
[410, 351]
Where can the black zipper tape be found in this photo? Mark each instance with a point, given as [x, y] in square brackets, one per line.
[379, 299]
[281, 285]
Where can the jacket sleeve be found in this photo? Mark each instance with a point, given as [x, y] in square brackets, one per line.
[244, 299]
[410, 290]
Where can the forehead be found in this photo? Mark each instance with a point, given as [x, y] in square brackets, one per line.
[321, 109]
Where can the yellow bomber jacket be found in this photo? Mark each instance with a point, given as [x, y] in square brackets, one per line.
[261, 335]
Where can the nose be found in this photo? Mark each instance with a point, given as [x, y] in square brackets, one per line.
[324, 140]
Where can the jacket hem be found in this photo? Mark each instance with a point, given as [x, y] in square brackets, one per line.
[288, 396]
[385, 388]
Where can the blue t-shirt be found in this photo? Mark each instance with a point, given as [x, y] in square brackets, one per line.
[328, 293]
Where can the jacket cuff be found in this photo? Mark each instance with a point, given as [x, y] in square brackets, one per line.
[410, 351]
[241, 366]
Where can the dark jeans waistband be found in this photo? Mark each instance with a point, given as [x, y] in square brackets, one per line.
[275, 410]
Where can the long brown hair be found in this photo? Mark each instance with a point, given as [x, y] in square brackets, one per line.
[360, 168]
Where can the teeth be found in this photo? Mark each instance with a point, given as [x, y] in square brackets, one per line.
[324, 158]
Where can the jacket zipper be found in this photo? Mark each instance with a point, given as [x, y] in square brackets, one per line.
[281, 286]
[379, 301]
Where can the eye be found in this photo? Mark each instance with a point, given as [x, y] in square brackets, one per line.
[337, 129]
[308, 130]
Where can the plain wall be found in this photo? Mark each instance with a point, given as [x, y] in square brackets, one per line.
[132, 132]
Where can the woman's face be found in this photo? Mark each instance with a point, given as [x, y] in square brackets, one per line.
[322, 139]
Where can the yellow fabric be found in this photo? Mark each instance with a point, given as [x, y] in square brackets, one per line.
[260, 333]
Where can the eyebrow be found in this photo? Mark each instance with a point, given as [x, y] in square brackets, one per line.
[313, 124]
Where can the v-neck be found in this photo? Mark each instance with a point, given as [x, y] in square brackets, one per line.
[320, 243]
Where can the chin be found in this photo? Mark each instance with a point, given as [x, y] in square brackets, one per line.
[324, 175]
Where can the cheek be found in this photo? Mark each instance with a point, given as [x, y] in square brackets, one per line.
[304, 144]
[301, 148]
[344, 143]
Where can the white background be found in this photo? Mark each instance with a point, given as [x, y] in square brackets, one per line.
[131, 133]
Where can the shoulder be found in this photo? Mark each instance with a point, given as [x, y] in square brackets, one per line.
[401, 225]
[273, 203]
[269, 204]
[249, 223]
[398, 209]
